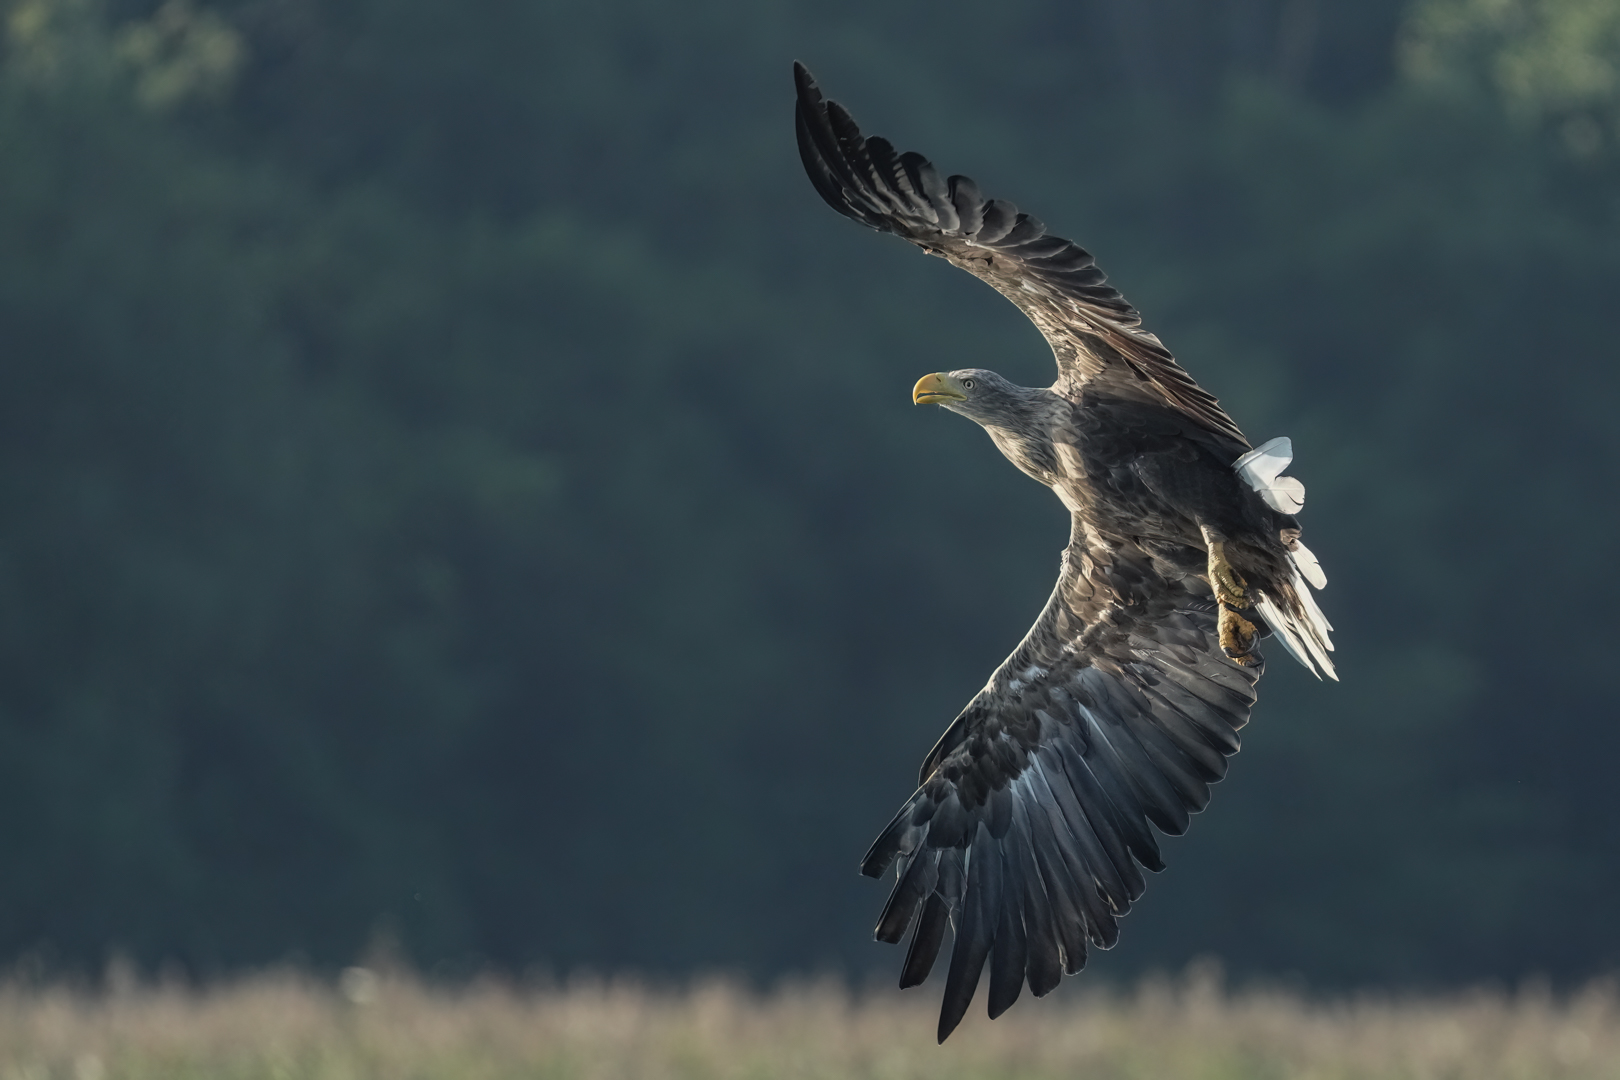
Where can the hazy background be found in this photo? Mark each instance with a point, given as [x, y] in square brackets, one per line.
[458, 482]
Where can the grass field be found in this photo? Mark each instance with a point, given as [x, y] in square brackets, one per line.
[290, 1025]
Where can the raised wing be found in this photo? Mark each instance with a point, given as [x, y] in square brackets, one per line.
[1094, 333]
[1030, 828]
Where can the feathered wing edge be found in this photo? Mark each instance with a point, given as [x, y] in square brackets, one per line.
[1055, 282]
[1031, 832]
[1293, 615]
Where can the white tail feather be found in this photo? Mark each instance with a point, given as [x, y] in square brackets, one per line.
[1260, 468]
[1313, 614]
[1306, 564]
[1304, 633]
[1283, 631]
[1306, 639]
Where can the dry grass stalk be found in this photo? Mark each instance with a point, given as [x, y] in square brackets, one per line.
[394, 1027]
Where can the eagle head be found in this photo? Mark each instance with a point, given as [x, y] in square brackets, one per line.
[976, 393]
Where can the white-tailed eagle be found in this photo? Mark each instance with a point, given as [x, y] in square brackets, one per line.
[1033, 819]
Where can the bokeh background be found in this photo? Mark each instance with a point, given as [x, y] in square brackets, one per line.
[459, 487]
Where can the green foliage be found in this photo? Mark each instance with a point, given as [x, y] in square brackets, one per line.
[1547, 60]
[458, 480]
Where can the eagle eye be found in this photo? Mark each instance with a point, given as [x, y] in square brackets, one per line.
[967, 384]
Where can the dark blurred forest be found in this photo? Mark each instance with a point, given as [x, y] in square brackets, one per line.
[459, 484]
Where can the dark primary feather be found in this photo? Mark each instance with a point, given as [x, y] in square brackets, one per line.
[1030, 829]
[1094, 333]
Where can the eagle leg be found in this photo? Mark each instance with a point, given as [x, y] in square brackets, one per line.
[1227, 584]
[1237, 634]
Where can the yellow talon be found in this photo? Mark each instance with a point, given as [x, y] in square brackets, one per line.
[1237, 636]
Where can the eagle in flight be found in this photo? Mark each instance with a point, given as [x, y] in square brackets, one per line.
[1030, 829]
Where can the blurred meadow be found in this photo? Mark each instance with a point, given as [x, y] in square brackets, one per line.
[383, 1027]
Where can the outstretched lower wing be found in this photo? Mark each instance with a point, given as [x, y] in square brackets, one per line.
[1094, 333]
[1030, 828]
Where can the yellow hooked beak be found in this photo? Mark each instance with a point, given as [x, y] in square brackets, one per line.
[936, 389]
